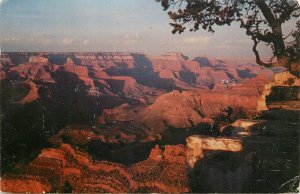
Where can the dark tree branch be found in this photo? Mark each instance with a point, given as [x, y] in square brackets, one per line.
[262, 20]
[256, 53]
[288, 10]
[266, 12]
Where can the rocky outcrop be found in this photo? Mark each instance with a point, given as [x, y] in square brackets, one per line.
[156, 154]
[81, 72]
[38, 71]
[284, 79]
[258, 155]
[164, 171]
[246, 123]
[37, 68]
[196, 146]
[172, 154]
[38, 59]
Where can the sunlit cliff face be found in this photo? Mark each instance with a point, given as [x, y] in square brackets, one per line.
[197, 144]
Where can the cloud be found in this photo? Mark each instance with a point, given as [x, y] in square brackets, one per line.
[131, 38]
[225, 47]
[239, 41]
[67, 41]
[44, 41]
[196, 40]
[10, 39]
[40, 38]
[85, 42]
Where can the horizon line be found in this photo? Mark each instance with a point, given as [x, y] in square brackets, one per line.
[230, 58]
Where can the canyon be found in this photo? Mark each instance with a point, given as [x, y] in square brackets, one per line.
[130, 122]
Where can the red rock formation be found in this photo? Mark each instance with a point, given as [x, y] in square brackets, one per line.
[33, 184]
[180, 109]
[92, 68]
[65, 167]
[35, 71]
[53, 168]
[175, 154]
[2, 72]
[156, 154]
[162, 174]
[32, 94]
[80, 71]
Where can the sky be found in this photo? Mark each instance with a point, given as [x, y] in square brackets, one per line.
[110, 26]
